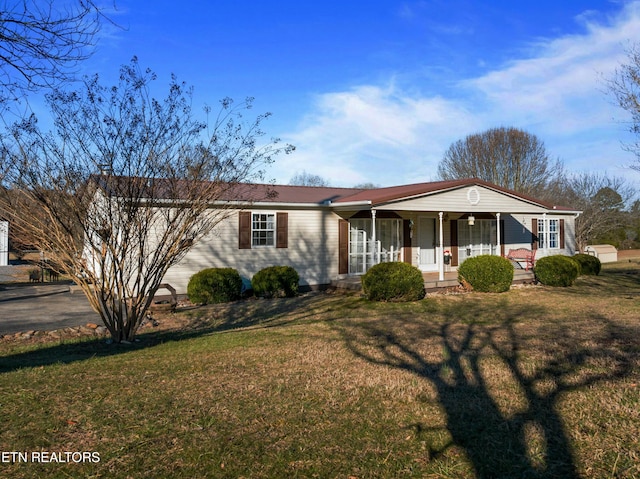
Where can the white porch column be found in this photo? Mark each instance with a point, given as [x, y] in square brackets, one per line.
[439, 251]
[373, 237]
[498, 232]
[545, 240]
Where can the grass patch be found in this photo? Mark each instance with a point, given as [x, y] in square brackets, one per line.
[535, 382]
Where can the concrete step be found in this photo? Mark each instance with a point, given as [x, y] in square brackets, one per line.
[431, 280]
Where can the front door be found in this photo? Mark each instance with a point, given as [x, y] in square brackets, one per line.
[427, 243]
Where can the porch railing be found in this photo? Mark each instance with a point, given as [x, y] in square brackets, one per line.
[372, 253]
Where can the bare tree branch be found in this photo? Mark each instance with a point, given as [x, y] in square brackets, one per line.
[601, 199]
[625, 88]
[41, 43]
[308, 179]
[507, 157]
[126, 184]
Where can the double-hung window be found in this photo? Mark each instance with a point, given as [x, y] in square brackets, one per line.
[552, 236]
[263, 229]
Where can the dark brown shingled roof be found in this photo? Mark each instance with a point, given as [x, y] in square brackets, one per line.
[121, 186]
[380, 196]
[291, 194]
[383, 195]
[288, 194]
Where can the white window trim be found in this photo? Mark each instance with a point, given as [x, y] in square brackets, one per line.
[274, 230]
[544, 235]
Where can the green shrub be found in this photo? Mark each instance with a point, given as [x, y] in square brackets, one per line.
[276, 281]
[588, 264]
[214, 285]
[393, 282]
[487, 273]
[557, 270]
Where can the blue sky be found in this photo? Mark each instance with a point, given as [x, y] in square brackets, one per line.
[376, 91]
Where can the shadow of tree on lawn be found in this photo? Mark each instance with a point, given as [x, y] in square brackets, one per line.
[470, 362]
[205, 320]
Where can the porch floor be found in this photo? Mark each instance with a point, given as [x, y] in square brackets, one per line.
[431, 281]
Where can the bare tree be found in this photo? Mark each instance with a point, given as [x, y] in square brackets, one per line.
[308, 179]
[126, 184]
[601, 199]
[625, 87]
[41, 43]
[507, 157]
[366, 186]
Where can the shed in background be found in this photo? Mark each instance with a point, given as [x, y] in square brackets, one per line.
[606, 253]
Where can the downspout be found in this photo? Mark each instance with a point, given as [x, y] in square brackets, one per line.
[439, 251]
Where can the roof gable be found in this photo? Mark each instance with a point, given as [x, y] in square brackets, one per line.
[411, 196]
[395, 195]
[471, 198]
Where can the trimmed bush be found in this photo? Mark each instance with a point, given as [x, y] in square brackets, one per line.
[214, 285]
[487, 273]
[557, 270]
[588, 264]
[393, 282]
[276, 281]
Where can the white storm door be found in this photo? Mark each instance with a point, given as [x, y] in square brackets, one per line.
[427, 243]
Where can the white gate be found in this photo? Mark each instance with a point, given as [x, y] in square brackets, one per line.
[4, 243]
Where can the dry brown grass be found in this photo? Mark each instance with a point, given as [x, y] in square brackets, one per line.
[536, 382]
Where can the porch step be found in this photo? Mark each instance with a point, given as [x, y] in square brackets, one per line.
[523, 276]
[431, 281]
[431, 285]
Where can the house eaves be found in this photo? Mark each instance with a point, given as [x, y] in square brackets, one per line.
[388, 196]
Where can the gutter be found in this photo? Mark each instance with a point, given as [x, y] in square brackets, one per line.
[349, 204]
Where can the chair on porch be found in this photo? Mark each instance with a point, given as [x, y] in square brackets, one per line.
[524, 255]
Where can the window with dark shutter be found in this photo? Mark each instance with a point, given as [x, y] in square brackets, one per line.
[343, 247]
[454, 242]
[263, 229]
[406, 240]
[282, 230]
[244, 230]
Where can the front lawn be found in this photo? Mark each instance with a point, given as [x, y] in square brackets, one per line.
[535, 382]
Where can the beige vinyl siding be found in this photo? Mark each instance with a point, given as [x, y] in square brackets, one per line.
[488, 201]
[518, 233]
[312, 249]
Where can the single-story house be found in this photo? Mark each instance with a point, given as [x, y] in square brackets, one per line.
[327, 233]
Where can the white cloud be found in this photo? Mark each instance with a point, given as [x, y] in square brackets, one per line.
[373, 134]
[387, 135]
[564, 75]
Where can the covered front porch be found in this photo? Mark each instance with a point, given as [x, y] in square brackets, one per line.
[437, 226]
[434, 242]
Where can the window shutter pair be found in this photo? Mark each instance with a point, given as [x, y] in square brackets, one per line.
[244, 230]
[534, 234]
